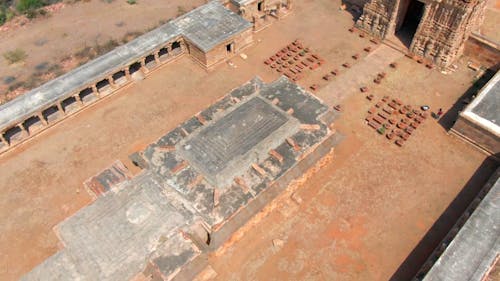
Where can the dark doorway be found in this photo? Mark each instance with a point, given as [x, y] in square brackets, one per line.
[163, 53]
[259, 6]
[150, 61]
[87, 95]
[69, 104]
[13, 134]
[410, 22]
[120, 77]
[32, 123]
[136, 66]
[51, 114]
[229, 48]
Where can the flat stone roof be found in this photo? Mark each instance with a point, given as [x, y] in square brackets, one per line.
[210, 25]
[242, 2]
[206, 27]
[229, 146]
[111, 238]
[484, 110]
[474, 249]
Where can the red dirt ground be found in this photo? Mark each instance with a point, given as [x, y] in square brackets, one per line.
[361, 215]
[79, 25]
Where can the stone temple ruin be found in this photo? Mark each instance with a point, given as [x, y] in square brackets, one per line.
[206, 178]
[210, 35]
[201, 182]
[434, 30]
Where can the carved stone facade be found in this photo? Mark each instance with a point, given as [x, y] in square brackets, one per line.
[443, 28]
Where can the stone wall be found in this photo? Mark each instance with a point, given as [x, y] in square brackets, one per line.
[259, 18]
[483, 51]
[476, 135]
[443, 30]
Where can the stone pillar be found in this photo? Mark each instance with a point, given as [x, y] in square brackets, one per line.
[112, 82]
[79, 100]
[59, 106]
[25, 130]
[127, 74]
[42, 119]
[157, 58]
[144, 69]
[95, 91]
[4, 140]
[289, 4]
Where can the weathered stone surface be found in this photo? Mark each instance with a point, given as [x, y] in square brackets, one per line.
[441, 33]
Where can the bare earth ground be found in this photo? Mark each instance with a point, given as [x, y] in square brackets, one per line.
[79, 25]
[361, 215]
[492, 21]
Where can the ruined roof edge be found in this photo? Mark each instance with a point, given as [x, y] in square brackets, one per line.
[470, 115]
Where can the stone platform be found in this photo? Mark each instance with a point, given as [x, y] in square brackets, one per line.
[201, 182]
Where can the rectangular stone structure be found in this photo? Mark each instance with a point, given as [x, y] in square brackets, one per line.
[231, 144]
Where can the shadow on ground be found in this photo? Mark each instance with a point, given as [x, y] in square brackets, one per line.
[412, 264]
[354, 9]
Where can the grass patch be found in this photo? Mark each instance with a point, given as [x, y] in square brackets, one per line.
[15, 56]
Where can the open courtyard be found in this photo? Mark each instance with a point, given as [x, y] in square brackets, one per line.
[372, 211]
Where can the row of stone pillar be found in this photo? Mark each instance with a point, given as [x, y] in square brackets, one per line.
[95, 91]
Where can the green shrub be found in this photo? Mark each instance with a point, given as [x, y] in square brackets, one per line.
[24, 6]
[3, 15]
[132, 2]
[15, 56]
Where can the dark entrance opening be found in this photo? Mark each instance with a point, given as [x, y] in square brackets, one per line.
[13, 134]
[259, 6]
[150, 61]
[136, 66]
[120, 77]
[51, 114]
[410, 22]
[229, 48]
[163, 53]
[87, 95]
[32, 124]
[69, 104]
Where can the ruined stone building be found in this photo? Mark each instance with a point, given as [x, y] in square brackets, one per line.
[200, 182]
[432, 29]
[210, 35]
[260, 12]
[479, 122]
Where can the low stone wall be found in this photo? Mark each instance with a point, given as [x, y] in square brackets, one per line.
[245, 214]
[486, 52]
[474, 134]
